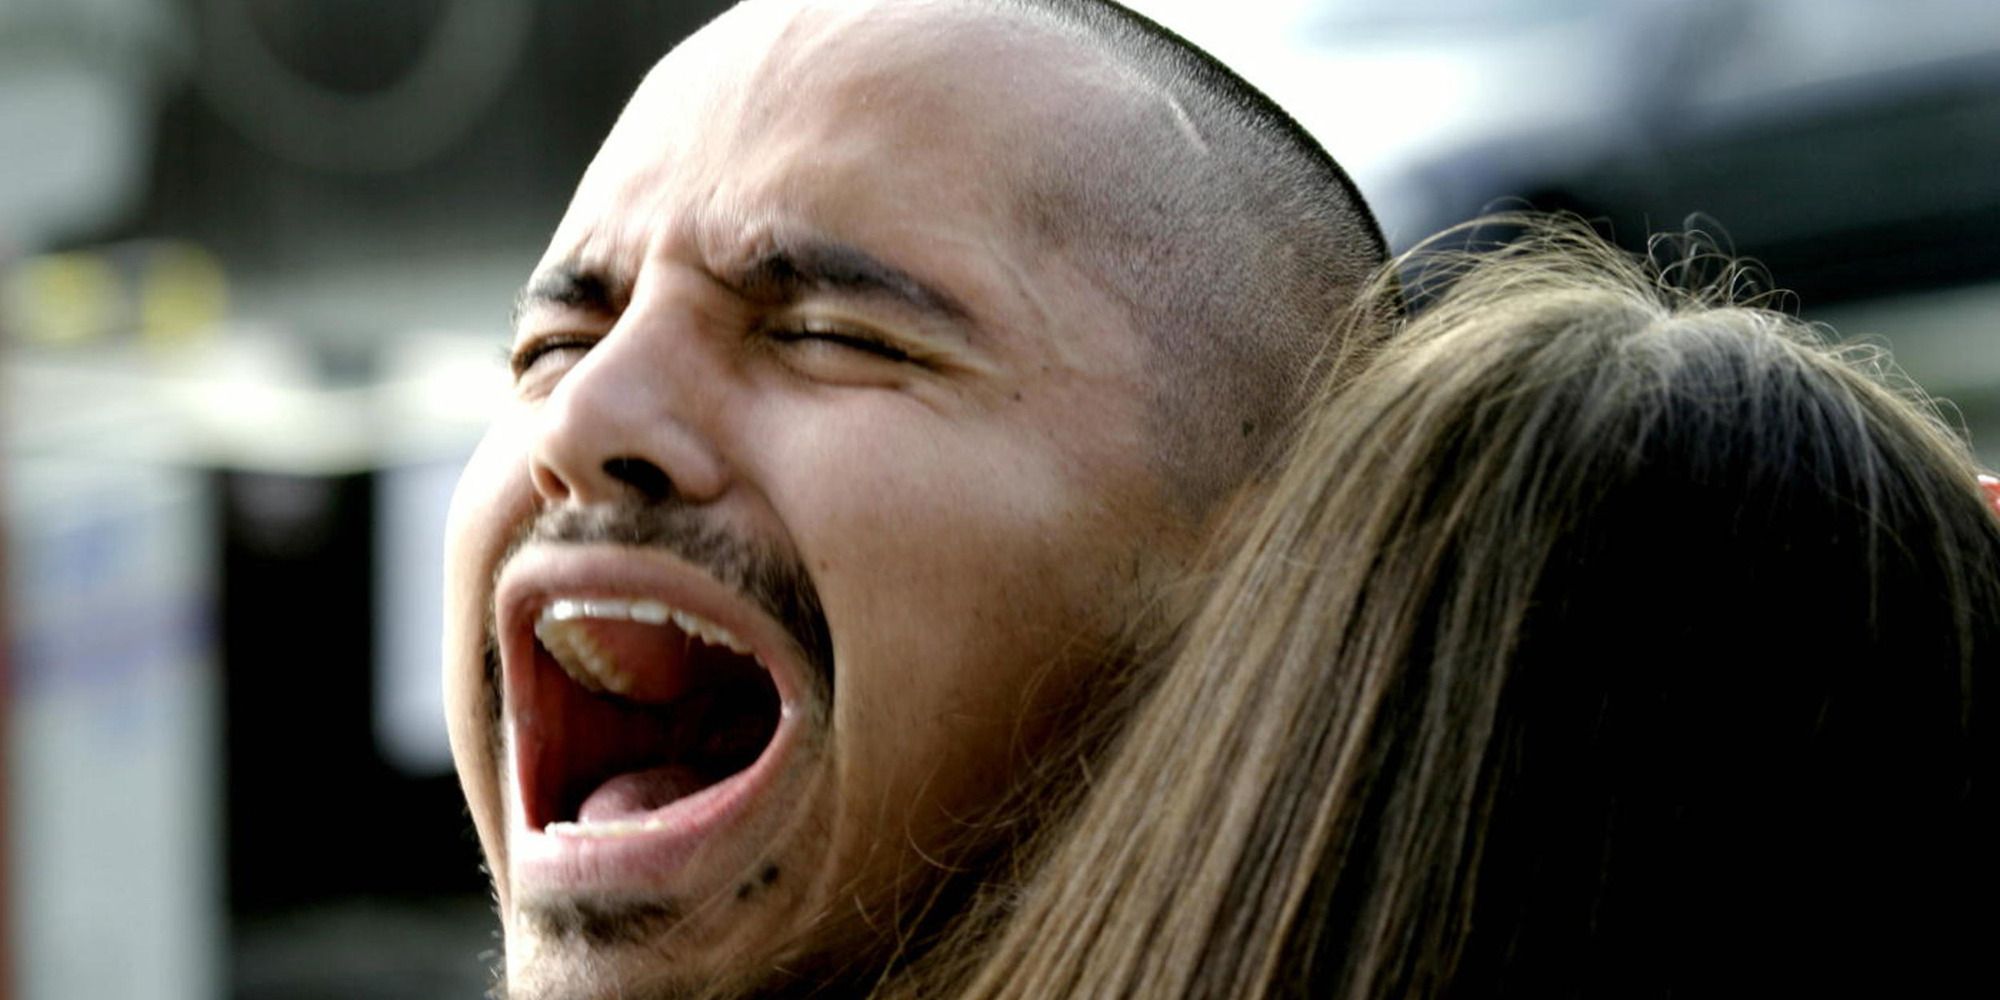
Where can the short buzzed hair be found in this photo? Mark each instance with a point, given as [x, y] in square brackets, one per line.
[1230, 236]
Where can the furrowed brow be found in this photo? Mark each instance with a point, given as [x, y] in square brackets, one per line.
[790, 272]
[573, 287]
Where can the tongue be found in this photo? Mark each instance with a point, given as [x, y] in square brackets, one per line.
[631, 795]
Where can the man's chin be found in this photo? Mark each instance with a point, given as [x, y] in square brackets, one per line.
[623, 961]
[601, 926]
[638, 950]
[763, 947]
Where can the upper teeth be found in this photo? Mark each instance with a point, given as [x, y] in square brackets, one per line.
[573, 648]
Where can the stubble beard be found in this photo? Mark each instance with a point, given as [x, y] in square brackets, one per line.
[636, 947]
[628, 936]
[599, 936]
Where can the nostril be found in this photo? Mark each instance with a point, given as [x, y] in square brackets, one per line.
[651, 481]
[547, 483]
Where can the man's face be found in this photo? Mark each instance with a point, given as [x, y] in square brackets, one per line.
[823, 485]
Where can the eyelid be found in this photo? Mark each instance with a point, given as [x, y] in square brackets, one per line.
[523, 357]
[855, 336]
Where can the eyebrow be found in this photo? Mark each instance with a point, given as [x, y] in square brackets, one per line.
[780, 276]
[577, 287]
[790, 271]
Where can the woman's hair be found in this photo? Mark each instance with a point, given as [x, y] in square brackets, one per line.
[1603, 636]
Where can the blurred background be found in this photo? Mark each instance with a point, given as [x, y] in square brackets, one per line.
[256, 258]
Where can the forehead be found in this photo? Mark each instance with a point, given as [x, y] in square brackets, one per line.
[898, 121]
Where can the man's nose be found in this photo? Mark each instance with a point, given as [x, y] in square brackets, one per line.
[632, 421]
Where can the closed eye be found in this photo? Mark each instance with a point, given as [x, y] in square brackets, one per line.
[841, 338]
[543, 352]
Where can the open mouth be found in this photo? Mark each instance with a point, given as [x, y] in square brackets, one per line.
[632, 706]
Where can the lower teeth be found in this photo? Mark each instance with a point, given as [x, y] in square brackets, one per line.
[607, 828]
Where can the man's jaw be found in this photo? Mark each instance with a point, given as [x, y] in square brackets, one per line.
[650, 712]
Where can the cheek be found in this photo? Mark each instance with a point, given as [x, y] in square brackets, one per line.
[491, 499]
[965, 574]
[902, 521]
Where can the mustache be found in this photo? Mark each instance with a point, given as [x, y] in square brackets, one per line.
[768, 576]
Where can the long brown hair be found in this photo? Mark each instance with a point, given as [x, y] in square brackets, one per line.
[1605, 636]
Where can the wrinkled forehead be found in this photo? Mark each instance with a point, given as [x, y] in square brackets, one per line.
[832, 103]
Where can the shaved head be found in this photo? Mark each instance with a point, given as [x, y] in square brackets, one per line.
[1227, 232]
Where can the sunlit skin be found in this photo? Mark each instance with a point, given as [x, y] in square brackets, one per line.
[943, 425]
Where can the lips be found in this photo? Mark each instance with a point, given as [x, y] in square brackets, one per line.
[648, 707]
